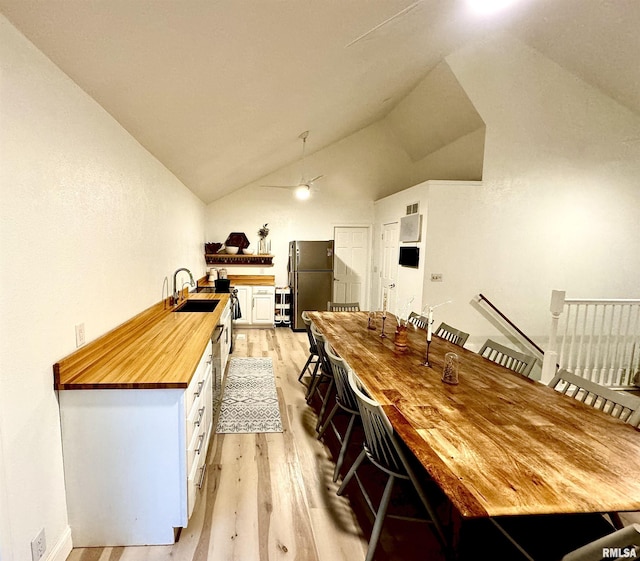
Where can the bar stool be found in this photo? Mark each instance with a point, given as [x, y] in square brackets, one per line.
[345, 400]
[313, 352]
[381, 450]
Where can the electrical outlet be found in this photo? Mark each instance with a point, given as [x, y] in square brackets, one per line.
[38, 546]
[436, 277]
[80, 335]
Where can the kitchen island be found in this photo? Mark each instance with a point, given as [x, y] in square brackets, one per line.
[137, 415]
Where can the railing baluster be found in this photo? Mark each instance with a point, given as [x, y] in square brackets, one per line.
[627, 361]
[592, 334]
[597, 364]
[634, 360]
[622, 344]
[579, 365]
[600, 339]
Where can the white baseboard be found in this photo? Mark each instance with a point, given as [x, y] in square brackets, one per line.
[62, 548]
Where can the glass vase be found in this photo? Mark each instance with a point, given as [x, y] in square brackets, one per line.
[262, 246]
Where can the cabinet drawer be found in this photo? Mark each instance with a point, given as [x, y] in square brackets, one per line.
[197, 418]
[197, 446]
[194, 484]
[199, 430]
[196, 386]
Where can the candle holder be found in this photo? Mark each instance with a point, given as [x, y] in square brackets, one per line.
[400, 340]
[371, 321]
[450, 370]
[426, 356]
[382, 334]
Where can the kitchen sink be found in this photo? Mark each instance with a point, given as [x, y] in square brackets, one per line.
[198, 306]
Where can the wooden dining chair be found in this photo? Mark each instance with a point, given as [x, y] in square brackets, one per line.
[383, 451]
[313, 359]
[325, 375]
[621, 544]
[452, 334]
[504, 356]
[343, 306]
[621, 405]
[345, 400]
[418, 320]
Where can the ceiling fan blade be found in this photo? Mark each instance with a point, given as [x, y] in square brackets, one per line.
[385, 22]
[280, 186]
[315, 179]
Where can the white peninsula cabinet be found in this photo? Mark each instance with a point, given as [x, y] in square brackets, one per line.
[135, 458]
[257, 304]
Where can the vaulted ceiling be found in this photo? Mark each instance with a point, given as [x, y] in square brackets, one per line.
[219, 91]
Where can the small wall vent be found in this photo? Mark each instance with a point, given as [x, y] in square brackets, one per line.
[413, 208]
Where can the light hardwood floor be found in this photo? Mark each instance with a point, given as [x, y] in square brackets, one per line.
[266, 496]
[271, 496]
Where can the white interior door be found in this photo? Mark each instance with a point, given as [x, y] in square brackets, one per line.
[389, 266]
[351, 265]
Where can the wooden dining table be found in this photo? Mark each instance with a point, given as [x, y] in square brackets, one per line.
[497, 443]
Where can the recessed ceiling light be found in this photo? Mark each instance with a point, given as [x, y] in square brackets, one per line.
[489, 6]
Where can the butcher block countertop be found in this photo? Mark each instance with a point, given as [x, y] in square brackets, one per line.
[244, 280]
[155, 349]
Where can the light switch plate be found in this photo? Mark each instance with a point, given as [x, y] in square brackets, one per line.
[80, 339]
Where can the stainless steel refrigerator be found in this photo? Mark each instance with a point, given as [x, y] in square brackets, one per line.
[310, 277]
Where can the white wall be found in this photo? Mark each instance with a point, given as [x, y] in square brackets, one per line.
[288, 219]
[560, 197]
[90, 225]
[409, 283]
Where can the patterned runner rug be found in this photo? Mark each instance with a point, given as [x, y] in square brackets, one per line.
[250, 402]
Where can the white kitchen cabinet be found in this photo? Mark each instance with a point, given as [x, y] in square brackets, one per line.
[263, 305]
[256, 305]
[134, 459]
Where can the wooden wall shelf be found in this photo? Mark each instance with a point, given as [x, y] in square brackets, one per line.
[230, 259]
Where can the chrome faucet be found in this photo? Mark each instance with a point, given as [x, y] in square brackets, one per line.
[176, 294]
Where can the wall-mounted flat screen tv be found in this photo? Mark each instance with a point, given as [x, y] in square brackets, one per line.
[409, 257]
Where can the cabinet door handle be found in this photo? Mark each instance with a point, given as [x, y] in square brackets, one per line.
[201, 439]
[203, 469]
[199, 391]
[200, 415]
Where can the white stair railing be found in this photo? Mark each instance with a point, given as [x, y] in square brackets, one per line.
[597, 339]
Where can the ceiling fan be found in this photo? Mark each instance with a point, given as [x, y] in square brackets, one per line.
[303, 188]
